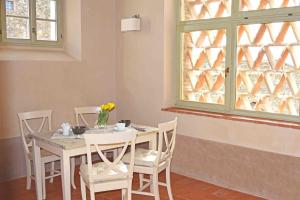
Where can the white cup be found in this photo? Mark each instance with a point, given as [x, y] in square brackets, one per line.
[120, 126]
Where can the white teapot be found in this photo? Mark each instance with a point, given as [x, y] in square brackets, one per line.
[66, 127]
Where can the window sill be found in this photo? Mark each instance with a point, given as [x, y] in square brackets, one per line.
[285, 124]
[15, 53]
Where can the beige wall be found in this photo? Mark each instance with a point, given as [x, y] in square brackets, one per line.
[140, 69]
[145, 73]
[39, 79]
[61, 85]
[146, 84]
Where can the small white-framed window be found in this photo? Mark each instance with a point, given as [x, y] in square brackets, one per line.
[240, 57]
[31, 22]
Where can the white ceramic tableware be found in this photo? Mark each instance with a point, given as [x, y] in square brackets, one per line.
[66, 127]
[120, 126]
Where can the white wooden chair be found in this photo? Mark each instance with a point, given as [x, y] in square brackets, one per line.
[47, 157]
[153, 162]
[81, 112]
[80, 115]
[108, 175]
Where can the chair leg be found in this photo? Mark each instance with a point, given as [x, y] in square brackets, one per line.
[28, 174]
[92, 193]
[168, 182]
[44, 180]
[141, 179]
[83, 189]
[155, 186]
[151, 183]
[123, 194]
[52, 171]
[73, 173]
[129, 190]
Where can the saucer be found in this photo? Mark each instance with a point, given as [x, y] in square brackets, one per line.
[117, 129]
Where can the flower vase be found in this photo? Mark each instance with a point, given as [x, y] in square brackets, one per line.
[102, 118]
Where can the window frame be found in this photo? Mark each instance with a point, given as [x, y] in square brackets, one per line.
[230, 24]
[4, 41]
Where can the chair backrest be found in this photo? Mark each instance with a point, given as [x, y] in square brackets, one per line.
[98, 141]
[80, 112]
[27, 118]
[166, 140]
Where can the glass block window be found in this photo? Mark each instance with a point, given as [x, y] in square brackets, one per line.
[268, 75]
[204, 66]
[240, 57]
[247, 5]
[195, 9]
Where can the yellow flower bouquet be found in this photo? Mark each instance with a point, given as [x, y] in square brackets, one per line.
[104, 110]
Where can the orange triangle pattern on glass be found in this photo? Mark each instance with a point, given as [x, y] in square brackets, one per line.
[268, 67]
[206, 9]
[246, 5]
[204, 66]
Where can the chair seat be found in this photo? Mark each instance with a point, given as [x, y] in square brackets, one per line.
[44, 153]
[101, 172]
[143, 157]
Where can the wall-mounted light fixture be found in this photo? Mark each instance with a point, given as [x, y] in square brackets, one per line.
[131, 24]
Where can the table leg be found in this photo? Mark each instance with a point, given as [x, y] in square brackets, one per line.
[37, 169]
[65, 176]
[73, 172]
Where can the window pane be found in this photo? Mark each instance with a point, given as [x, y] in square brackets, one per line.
[10, 5]
[195, 9]
[203, 73]
[17, 8]
[46, 30]
[46, 9]
[268, 71]
[17, 28]
[246, 5]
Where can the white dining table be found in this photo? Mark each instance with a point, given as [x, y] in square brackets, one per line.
[70, 147]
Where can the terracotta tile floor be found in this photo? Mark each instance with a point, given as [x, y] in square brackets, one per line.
[183, 189]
